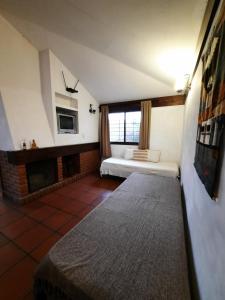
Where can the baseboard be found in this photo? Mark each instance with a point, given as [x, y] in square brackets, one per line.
[195, 295]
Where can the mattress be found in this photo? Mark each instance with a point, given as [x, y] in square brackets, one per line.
[131, 246]
[124, 167]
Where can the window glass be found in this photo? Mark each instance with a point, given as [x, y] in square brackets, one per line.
[116, 125]
[125, 127]
[133, 126]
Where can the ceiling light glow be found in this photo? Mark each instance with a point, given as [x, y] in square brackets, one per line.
[176, 63]
[182, 83]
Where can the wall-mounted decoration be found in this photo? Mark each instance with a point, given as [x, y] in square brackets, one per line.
[211, 121]
[91, 109]
[69, 89]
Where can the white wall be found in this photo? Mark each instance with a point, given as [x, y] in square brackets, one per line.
[206, 218]
[22, 109]
[166, 133]
[5, 134]
[88, 123]
[20, 90]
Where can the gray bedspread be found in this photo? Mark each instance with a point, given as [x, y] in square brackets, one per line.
[131, 246]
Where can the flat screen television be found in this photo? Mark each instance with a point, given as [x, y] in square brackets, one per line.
[67, 123]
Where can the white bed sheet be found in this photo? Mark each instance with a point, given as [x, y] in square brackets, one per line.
[124, 167]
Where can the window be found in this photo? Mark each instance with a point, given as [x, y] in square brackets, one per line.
[125, 127]
[116, 125]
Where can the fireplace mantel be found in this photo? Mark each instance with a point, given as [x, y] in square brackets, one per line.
[21, 171]
[21, 157]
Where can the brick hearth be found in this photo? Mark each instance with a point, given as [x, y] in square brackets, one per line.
[14, 179]
[14, 176]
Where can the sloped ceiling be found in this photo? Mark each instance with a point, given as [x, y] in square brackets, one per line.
[119, 49]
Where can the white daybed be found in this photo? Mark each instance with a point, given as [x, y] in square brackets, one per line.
[124, 167]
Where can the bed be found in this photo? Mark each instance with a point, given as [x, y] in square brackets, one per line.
[124, 167]
[131, 246]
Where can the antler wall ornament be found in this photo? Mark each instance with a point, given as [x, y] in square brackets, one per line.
[69, 89]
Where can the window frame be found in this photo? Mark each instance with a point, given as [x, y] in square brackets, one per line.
[124, 135]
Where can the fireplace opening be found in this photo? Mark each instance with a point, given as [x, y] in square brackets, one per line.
[71, 165]
[41, 174]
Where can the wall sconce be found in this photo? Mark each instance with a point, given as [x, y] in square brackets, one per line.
[182, 84]
[91, 110]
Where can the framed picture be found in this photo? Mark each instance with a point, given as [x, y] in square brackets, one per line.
[211, 120]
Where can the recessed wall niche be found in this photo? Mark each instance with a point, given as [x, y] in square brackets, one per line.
[67, 121]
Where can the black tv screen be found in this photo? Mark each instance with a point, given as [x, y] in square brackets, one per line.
[66, 122]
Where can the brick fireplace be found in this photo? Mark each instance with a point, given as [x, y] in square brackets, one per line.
[49, 168]
[41, 174]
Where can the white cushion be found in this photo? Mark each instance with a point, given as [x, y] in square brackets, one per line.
[154, 155]
[141, 155]
[128, 153]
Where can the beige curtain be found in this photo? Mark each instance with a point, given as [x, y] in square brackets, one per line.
[104, 132]
[146, 107]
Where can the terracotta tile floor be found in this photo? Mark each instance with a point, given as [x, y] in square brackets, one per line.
[27, 232]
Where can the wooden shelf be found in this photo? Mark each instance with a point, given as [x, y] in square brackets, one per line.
[22, 157]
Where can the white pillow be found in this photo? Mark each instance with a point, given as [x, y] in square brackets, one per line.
[128, 153]
[140, 155]
[154, 155]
